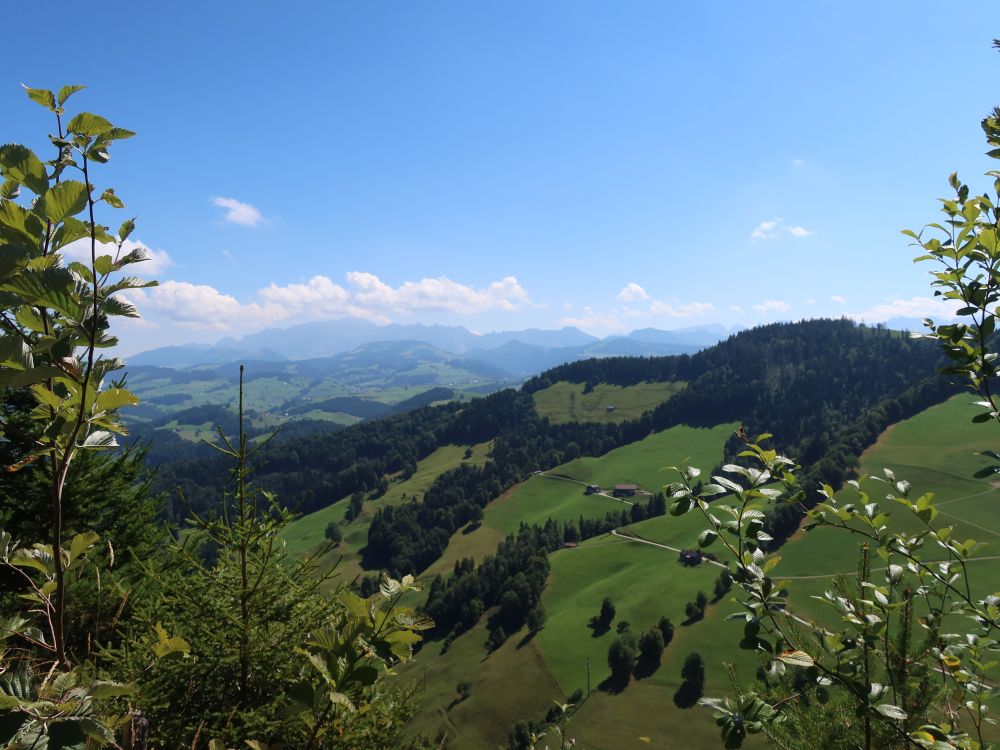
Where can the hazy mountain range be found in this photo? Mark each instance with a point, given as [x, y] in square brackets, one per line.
[510, 354]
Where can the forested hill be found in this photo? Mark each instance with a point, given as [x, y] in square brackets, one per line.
[804, 382]
[826, 388]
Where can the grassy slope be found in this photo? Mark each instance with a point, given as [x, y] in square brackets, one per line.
[936, 452]
[542, 497]
[566, 402]
[512, 681]
[306, 533]
[645, 582]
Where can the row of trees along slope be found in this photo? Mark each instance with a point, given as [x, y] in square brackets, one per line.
[826, 387]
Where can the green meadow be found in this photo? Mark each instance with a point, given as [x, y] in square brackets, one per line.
[645, 582]
[566, 402]
[559, 494]
[936, 451]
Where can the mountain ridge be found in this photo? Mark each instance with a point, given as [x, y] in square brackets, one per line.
[550, 347]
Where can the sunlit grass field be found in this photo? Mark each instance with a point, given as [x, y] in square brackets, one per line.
[566, 402]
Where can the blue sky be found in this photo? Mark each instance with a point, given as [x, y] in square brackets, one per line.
[502, 165]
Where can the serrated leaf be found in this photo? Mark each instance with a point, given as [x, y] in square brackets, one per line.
[115, 398]
[20, 163]
[66, 92]
[355, 605]
[53, 287]
[81, 543]
[89, 124]
[890, 711]
[105, 689]
[796, 658]
[41, 96]
[63, 201]
[109, 197]
[168, 645]
[30, 376]
[728, 484]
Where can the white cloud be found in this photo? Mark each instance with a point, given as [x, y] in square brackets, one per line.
[238, 212]
[366, 296]
[689, 310]
[157, 260]
[838, 299]
[915, 307]
[772, 305]
[736, 309]
[199, 306]
[766, 230]
[596, 323]
[632, 293]
[798, 163]
[809, 301]
[440, 294]
[773, 228]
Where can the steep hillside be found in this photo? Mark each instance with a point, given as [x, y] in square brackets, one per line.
[481, 499]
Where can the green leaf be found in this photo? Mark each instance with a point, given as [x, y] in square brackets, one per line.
[119, 306]
[105, 689]
[796, 658]
[117, 134]
[14, 352]
[355, 605]
[95, 730]
[66, 92]
[54, 288]
[126, 229]
[115, 398]
[17, 224]
[81, 543]
[104, 264]
[69, 231]
[38, 557]
[109, 197]
[891, 711]
[100, 439]
[41, 96]
[99, 154]
[167, 645]
[89, 124]
[20, 163]
[23, 378]
[706, 537]
[64, 200]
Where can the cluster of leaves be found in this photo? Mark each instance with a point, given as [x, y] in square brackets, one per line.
[252, 649]
[876, 658]
[42, 706]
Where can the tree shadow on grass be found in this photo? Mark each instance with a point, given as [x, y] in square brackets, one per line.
[599, 627]
[614, 685]
[644, 669]
[687, 694]
[526, 638]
